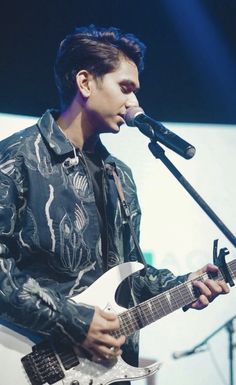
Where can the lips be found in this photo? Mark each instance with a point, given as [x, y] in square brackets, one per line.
[121, 119]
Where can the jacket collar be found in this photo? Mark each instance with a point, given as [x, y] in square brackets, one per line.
[52, 133]
[56, 139]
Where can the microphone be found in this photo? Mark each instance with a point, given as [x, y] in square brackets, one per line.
[135, 117]
[186, 353]
[71, 162]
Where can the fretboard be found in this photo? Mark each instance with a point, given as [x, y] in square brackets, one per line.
[163, 304]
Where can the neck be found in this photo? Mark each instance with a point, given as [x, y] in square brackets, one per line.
[75, 128]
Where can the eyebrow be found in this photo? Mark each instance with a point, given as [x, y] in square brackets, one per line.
[130, 83]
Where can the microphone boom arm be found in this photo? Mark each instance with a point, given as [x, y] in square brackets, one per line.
[202, 346]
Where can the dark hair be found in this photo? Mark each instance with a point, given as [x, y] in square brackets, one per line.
[98, 50]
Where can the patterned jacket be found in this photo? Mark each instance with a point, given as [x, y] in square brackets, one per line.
[50, 237]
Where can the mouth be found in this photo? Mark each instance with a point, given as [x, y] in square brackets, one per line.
[121, 120]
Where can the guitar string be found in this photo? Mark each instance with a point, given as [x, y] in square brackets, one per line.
[159, 301]
[131, 319]
[183, 296]
[153, 311]
[186, 294]
[188, 289]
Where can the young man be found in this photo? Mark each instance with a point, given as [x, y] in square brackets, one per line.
[61, 222]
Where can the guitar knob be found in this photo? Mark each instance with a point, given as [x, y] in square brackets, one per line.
[75, 382]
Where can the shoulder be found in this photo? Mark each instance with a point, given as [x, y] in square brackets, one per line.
[121, 165]
[124, 171]
[16, 141]
[15, 148]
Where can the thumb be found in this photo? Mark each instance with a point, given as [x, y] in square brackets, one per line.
[107, 315]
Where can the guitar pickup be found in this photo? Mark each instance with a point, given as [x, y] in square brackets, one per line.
[66, 354]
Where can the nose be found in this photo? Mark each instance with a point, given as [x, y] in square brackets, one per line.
[132, 100]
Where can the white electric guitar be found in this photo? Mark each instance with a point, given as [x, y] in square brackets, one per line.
[25, 362]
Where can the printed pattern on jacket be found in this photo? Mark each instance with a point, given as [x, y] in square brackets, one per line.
[50, 236]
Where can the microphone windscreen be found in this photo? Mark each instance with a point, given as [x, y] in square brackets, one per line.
[131, 114]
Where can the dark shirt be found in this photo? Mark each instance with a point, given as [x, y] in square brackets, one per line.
[97, 173]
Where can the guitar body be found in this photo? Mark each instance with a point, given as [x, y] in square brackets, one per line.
[16, 343]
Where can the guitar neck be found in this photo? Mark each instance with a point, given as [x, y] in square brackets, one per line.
[163, 304]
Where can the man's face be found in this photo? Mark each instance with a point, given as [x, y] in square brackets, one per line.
[111, 96]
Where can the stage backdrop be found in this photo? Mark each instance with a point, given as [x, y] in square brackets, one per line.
[176, 234]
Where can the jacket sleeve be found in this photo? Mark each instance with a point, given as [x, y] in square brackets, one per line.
[154, 282]
[22, 299]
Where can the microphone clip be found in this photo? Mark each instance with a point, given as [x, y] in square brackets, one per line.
[71, 162]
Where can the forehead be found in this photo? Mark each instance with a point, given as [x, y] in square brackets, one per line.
[127, 71]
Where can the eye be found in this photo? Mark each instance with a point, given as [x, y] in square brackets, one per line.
[128, 88]
[125, 89]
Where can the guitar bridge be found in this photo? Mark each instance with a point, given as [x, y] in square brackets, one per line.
[42, 365]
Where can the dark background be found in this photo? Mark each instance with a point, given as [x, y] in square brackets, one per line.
[190, 66]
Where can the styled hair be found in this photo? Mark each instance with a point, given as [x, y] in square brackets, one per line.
[97, 50]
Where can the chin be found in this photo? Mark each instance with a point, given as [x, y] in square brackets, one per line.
[111, 129]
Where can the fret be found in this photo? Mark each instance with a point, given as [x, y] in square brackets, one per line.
[165, 303]
[151, 310]
[161, 310]
[192, 292]
[173, 299]
[136, 325]
[231, 270]
[232, 266]
[181, 295]
[157, 305]
[129, 322]
[142, 320]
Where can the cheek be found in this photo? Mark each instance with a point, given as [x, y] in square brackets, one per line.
[107, 101]
[112, 93]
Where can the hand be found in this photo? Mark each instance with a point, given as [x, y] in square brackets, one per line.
[99, 342]
[209, 289]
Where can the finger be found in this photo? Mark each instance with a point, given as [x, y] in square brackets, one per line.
[107, 315]
[109, 326]
[110, 341]
[104, 339]
[207, 268]
[102, 349]
[108, 353]
[201, 303]
[103, 321]
[203, 288]
[217, 287]
[110, 321]
[210, 268]
[103, 352]
[213, 286]
[203, 300]
[224, 286]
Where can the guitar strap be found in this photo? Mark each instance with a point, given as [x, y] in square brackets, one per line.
[111, 168]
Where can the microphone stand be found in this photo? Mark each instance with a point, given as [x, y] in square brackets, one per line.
[230, 329]
[159, 153]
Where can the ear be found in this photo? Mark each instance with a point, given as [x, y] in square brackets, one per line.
[84, 83]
